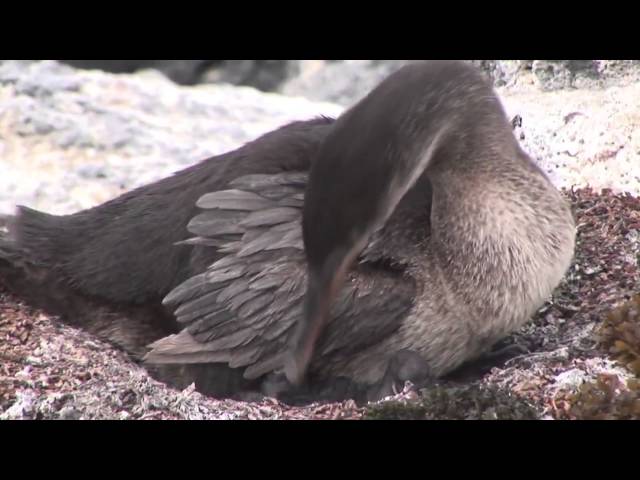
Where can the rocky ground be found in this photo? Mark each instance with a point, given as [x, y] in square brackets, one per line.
[51, 371]
[72, 139]
[577, 360]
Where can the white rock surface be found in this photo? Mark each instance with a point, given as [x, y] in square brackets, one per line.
[582, 137]
[72, 139]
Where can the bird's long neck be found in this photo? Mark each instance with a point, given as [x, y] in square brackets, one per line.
[502, 236]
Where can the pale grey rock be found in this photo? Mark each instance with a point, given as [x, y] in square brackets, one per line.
[84, 137]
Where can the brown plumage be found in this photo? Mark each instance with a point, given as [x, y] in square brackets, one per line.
[393, 244]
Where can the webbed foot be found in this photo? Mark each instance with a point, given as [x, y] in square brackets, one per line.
[403, 366]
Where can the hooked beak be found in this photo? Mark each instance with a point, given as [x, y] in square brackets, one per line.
[323, 284]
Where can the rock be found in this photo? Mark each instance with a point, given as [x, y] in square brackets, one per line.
[581, 136]
[43, 78]
[341, 82]
[22, 408]
[316, 79]
[70, 139]
[558, 74]
[87, 136]
[568, 74]
[265, 75]
[69, 413]
[90, 171]
[184, 72]
[346, 81]
[503, 72]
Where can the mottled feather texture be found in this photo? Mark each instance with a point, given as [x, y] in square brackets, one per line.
[242, 309]
[473, 247]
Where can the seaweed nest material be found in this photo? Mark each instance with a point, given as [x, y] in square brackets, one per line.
[577, 359]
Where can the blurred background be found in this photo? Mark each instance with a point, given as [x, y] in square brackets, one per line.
[76, 133]
[343, 81]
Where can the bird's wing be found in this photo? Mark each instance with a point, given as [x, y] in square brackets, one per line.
[241, 310]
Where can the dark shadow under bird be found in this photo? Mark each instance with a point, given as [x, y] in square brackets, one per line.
[334, 258]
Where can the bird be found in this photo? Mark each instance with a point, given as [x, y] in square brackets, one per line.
[338, 257]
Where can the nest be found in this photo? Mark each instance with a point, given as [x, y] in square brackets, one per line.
[580, 354]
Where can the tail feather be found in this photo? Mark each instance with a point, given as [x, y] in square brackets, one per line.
[40, 234]
[33, 278]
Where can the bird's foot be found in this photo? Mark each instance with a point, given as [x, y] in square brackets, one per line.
[405, 369]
